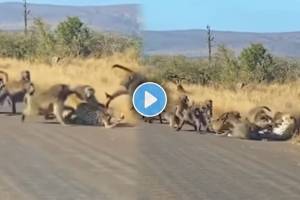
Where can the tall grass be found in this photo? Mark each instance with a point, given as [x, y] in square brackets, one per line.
[95, 72]
[99, 74]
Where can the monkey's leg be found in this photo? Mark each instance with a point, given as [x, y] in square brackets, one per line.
[58, 110]
[23, 117]
[115, 95]
[180, 125]
[160, 118]
[198, 126]
[108, 124]
[69, 116]
[14, 110]
[173, 122]
[12, 102]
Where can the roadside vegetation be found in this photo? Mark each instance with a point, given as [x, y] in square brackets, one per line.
[254, 65]
[87, 57]
[71, 38]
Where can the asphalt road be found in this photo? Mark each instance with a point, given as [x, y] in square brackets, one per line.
[45, 161]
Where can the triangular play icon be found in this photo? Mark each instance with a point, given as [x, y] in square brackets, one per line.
[149, 99]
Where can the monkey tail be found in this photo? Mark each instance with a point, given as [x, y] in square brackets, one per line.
[122, 67]
[5, 75]
[267, 108]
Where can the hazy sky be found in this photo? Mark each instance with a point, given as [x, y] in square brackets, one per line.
[235, 15]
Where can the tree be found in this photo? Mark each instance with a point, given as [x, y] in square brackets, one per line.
[226, 67]
[258, 62]
[74, 37]
[44, 39]
[26, 13]
[210, 39]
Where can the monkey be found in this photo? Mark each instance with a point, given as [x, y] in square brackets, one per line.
[4, 77]
[87, 94]
[240, 85]
[195, 116]
[179, 87]
[178, 82]
[15, 91]
[282, 130]
[261, 116]
[2, 90]
[129, 84]
[223, 123]
[55, 96]
[285, 127]
[172, 119]
[55, 60]
[243, 129]
[209, 104]
[183, 104]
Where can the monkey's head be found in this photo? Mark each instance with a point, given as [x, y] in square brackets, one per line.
[202, 114]
[184, 100]
[1, 82]
[263, 120]
[25, 75]
[30, 89]
[89, 92]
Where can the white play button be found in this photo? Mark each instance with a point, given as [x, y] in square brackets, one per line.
[149, 99]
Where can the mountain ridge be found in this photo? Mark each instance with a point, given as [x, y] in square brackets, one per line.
[126, 19]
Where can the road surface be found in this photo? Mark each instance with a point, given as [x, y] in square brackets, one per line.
[45, 161]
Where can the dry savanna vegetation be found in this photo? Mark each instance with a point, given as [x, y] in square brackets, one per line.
[99, 74]
[86, 57]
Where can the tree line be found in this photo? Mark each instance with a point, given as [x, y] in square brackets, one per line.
[255, 64]
[71, 38]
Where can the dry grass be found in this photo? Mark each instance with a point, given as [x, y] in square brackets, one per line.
[94, 72]
[98, 73]
[284, 98]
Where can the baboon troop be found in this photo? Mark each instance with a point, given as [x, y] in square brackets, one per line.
[14, 91]
[259, 123]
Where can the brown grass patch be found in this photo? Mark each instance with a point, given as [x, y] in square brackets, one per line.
[98, 73]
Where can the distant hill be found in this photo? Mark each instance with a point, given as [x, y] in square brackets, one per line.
[126, 19]
[116, 18]
[194, 42]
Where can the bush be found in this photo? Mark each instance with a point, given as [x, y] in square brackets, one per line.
[71, 38]
[254, 65]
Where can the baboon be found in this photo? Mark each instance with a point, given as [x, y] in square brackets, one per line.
[172, 119]
[280, 131]
[179, 87]
[243, 129]
[55, 60]
[55, 96]
[285, 128]
[182, 105]
[14, 91]
[240, 85]
[2, 91]
[130, 84]
[195, 116]
[85, 93]
[223, 123]
[178, 82]
[260, 116]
